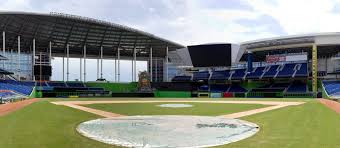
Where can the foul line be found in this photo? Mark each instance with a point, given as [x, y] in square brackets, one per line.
[274, 105]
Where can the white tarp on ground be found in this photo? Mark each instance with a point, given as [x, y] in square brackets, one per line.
[167, 131]
[175, 105]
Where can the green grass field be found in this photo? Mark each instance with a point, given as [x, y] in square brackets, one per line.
[43, 124]
[206, 109]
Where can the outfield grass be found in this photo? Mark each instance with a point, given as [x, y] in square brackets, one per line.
[43, 125]
[206, 109]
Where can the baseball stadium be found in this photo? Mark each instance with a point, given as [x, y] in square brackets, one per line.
[264, 93]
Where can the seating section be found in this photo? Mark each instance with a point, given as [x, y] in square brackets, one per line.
[271, 72]
[297, 87]
[332, 87]
[220, 75]
[237, 89]
[16, 86]
[238, 74]
[75, 84]
[302, 71]
[201, 76]
[181, 79]
[287, 71]
[256, 74]
[219, 88]
[57, 84]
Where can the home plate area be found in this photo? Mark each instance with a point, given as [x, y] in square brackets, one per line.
[170, 130]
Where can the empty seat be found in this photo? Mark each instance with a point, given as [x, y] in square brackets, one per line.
[271, 72]
[75, 84]
[297, 87]
[303, 71]
[237, 89]
[287, 71]
[238, 74]
[256, 74]
[57, 84]
[220, 75]
[201, 76]
[181, 79]
[219, 87]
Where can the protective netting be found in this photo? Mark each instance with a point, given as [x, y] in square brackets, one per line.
[175, 105]
[167, 131]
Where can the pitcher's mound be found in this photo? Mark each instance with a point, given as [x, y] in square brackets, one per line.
[167, 131]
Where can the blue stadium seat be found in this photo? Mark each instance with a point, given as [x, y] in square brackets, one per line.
[332, 87]
[181, 79]
[238, 74]
[271, 72]
[303, 71]
[237, 89]
[57, 84]
[256, 74]
[220, 75]
[297, 87]
[219, 88]
[201, 76]
[287, 71]
[75, 84]
[16, 86]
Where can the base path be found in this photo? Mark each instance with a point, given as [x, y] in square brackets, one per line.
[273, 105]
[331, 104]
[11, 107]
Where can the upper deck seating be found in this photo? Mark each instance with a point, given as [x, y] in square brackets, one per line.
[287, 71]
[256, 74]
[220, 75]
[271, 72]
[181, 79]
[303, 71]
[238, 74]
[201, 76]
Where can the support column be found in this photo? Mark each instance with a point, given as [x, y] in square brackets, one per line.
[3, 47]
[97, 68]
[118, 68]
[64, 67]
[84, 63]
[50, 52]
[19, 59]
[166, 64]
[135, 65]
[33, 59]
[115, 69]
[250, 61]
[315, 69]
[101, 62]
[80, 69]
[67, 62]
[156, 69]
[150, 63]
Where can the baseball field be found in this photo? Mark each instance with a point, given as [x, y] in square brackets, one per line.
[45, 123]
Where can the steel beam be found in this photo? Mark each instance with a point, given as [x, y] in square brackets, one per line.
[19, 59]
[67, 62]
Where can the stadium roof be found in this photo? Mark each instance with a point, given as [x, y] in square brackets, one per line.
[328, 45]
[62, 29]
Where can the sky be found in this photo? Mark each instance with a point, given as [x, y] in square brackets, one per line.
[191, 22]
